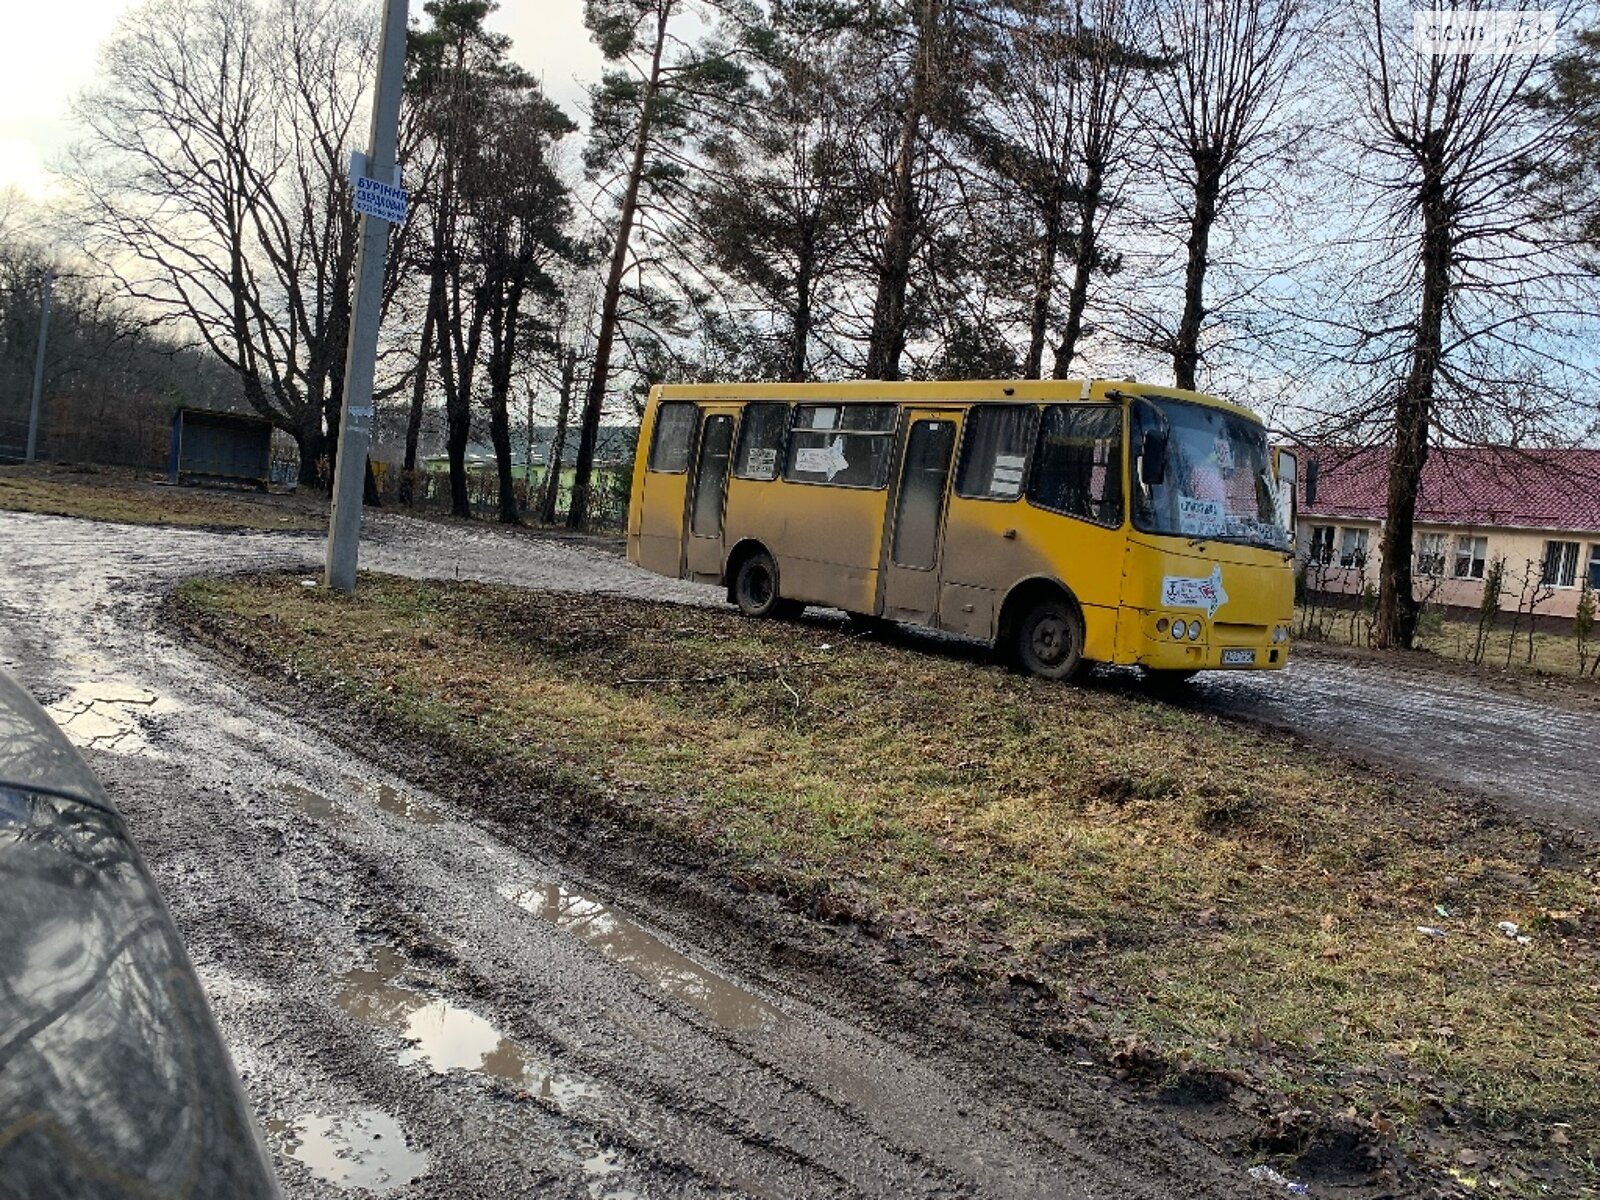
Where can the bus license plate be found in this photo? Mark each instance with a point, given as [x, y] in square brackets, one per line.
[1237, 657]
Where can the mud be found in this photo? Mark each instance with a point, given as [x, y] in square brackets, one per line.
[422, 1005]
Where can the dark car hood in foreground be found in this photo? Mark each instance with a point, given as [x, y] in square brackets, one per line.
[113, 1079]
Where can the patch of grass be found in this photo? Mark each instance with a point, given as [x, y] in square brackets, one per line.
[1554, 653]
[1201, 888]
[125, 500]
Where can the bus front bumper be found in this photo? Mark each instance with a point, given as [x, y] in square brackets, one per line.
[1161, 645]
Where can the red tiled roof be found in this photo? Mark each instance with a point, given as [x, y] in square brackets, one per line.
[1529, 489]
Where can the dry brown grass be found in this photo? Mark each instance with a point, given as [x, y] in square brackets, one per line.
[122, 497]
[1219, 894]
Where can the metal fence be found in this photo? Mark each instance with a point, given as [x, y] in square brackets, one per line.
[14, 442]
[430, 490]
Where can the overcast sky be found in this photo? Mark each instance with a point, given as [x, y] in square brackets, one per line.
[50, 51]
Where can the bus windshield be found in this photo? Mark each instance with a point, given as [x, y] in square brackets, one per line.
[1218, 484]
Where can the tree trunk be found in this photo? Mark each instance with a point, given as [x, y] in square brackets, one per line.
[594, 399]
[1397, 605]
[1186, 352]
[558, 443]
[419, 392]
[312, 444]
[800, 334]
[1085, 256]
[888, 339]
[1043, 283]
[500, 435]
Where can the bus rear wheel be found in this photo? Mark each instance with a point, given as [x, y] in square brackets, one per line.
[1049, 641]
[755, 589]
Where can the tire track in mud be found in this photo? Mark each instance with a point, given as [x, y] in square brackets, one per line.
[419, 1007]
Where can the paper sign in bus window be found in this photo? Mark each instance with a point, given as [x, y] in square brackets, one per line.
[1007, 477]
[761, 463]
[1201, 518]
[826, 460]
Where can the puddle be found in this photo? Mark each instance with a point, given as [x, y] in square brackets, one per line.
[625, 942]
[364, 1149]
[446, 1037]
[394, 801]
[600, 1165]
[107, 715]
[314, 804]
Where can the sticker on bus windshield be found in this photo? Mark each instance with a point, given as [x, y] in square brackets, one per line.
[1189, 591]
[1224, 453]
[1202, 518]
[1007, 477]
[761, 463]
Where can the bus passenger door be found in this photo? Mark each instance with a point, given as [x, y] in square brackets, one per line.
[663, 502]
[707, 497]
[916, 535]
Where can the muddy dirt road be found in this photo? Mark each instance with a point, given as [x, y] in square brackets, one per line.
[419, 1008]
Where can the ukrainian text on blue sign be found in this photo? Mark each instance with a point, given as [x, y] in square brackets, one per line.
[374, 199]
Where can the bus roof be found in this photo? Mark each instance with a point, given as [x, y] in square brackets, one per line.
[958, 391]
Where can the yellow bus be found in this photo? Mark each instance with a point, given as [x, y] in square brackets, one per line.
[1069, 522]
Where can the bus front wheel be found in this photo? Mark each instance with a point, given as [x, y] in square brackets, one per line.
[755, 589]
[1049, 641]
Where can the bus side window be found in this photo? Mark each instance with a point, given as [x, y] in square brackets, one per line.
[1077, 464]
[846, 445]
[761, 434]
[669, 452]
[994, 452]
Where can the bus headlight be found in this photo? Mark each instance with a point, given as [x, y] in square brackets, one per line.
[1177, 631]
[1161, 625]
[1194, 631]
[1280, 634]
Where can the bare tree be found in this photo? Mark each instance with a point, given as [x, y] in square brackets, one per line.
[1219, 120]
[214, 183]
[1472, 318]
[1055, 96]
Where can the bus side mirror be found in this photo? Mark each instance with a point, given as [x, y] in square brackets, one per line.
[1153, 458]
[1288, 471]
[1311, 482]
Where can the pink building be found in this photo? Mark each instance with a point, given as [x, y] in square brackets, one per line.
[1537, 510]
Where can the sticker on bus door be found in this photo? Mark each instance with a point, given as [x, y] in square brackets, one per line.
[1189, 591]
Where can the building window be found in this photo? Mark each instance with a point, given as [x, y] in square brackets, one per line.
[761, 441]
[994, 452]
[1353, 548]
[1077, 463]
[1560, 564]
[674, 429]
[1430, 554]
[1470, 555]
[847, 445]
[1321, 544]
[1594, 566]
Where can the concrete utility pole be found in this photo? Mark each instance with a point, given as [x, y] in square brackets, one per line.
[38, 364]
[374, 195]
